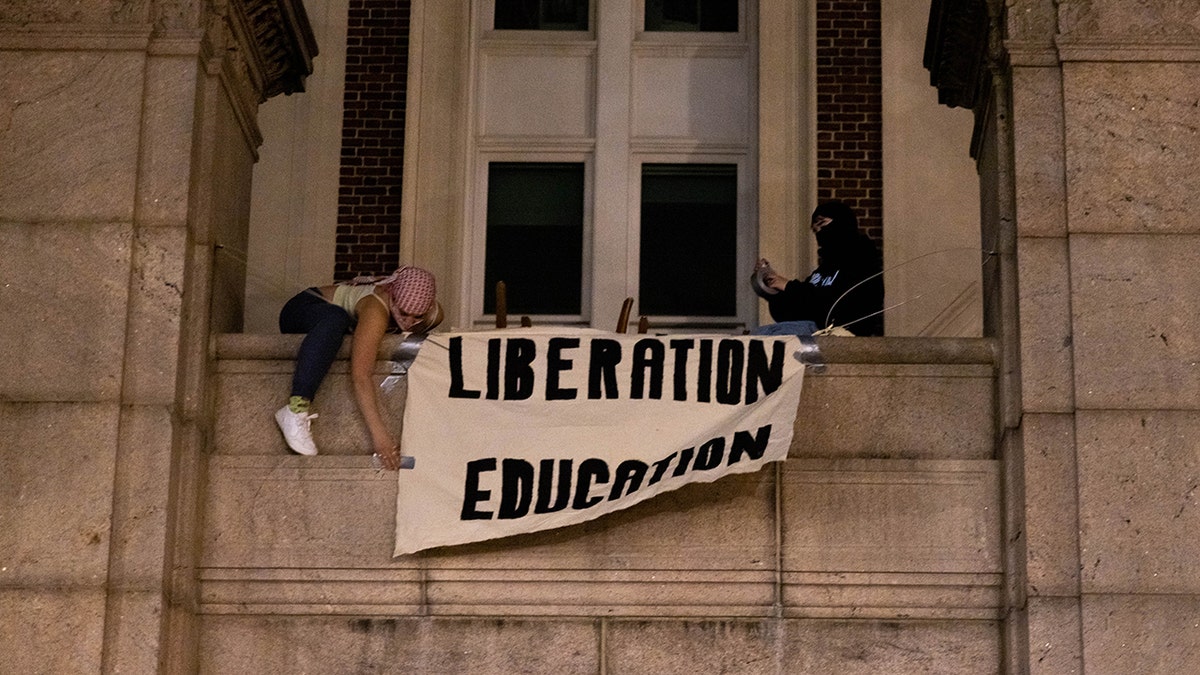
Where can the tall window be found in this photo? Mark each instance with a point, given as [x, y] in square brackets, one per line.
[612, 155]
[688, 259]
[541, 15]
[535, 236]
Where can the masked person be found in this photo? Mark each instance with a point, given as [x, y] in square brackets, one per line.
[367, 307]
[844, 291]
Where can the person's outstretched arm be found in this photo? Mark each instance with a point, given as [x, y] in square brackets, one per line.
[364, 347]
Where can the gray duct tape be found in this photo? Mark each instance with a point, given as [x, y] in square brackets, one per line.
[810, 354]
[402, 358]
[406, 352]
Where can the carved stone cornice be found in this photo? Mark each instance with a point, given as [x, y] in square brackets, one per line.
[1121, 22]
[73, 37]
[1152, 31]
[956, 45]
[1117, 50]
[278, 42]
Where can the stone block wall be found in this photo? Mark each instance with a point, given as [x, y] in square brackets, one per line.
[93, 228]
[1106, 136]
[875, 547]
[126, 140]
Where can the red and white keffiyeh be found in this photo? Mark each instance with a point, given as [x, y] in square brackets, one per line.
[412, 291]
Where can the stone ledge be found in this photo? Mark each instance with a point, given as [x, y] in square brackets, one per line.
[890, 595]
[292, 535]
[597, 593]
[486, 592]
[1100, 50]
[311, 644]
[1117, 50]
[262, 644]
[896, 350]
[74, 37]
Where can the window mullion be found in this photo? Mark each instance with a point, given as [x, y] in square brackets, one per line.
[611, 244]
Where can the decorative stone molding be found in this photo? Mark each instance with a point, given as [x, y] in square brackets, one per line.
[1146, 21]
[257, 49]
[1107, 50]
[1031, 54]
[956, 51]
[270, 41]
[279, 41]
[73, 37]
[1116, 30]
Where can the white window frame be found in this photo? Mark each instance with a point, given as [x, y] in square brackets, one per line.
[477, 241]
[746, 237]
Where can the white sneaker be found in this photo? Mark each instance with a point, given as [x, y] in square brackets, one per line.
[297, 430]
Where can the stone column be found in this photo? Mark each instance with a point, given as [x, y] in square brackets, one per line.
[1131, 91]
[436, 137]
[787, 188]
[1107, 131]
[126, 140]
[1088, 143]
[1048, 571]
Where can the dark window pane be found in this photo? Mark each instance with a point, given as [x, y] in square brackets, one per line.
[714, 16]
[688, 262]
[541, 15]
[535, 237]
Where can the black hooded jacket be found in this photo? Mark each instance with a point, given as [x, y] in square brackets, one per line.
[845, 258]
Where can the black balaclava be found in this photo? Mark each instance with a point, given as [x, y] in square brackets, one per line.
[836, 239]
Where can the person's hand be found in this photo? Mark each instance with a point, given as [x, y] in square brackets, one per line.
[769, 276]
[388, 454]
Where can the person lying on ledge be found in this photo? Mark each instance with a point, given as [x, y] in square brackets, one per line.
[844, 291]
[367, 307]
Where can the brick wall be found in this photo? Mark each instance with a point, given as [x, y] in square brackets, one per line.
[368, 225]
[850, 108]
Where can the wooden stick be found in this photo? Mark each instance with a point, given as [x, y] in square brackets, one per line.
[501, 305]
[623, 319]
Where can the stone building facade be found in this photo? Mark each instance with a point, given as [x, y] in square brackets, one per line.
[1023, 501]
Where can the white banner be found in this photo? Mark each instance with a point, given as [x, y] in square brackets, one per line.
[523, 430]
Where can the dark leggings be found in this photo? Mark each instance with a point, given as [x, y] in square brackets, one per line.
[325, 325]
